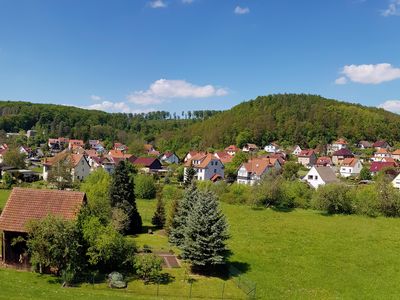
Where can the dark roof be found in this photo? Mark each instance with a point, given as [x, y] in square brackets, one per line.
[31, 204]
[377, 166]
[343, 152]
[379, 144]
[144, 161]
[327, 174]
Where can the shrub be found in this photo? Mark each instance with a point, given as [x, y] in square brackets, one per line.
[389, 197]
[296, 194]
[334, 199]
[145, 187]
[148, 267]
[237, 194]
[365, 200]
[268, 191]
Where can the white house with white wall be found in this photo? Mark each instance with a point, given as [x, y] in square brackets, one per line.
[350, 167]
[318, 176]
[207, 166]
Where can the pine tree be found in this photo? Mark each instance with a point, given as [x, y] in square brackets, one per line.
[205, 234]
[158, 219]
[177, 229]
[122, 195]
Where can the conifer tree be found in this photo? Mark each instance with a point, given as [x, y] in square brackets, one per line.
[158, 219]
[177, 229]
[172, 212]
[190, 173]
[122, 195]
[205, 233]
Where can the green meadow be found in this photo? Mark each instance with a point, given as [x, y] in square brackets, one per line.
[299, 254]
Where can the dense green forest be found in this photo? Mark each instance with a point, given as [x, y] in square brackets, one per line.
[307, 120]
[57, 120]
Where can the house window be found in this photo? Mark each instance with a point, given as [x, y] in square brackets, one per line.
[215, 170]
[316, 177]
[310, 177]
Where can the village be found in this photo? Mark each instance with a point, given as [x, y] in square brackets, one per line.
[335, 162]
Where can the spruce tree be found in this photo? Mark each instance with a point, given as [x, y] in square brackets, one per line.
[178, 225]
[172, 212]
[205, 234]
[122, 195]
[158, 219]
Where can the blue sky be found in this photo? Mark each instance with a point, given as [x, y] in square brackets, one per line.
[142, 55]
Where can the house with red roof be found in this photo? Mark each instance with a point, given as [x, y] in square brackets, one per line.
[382, 144]
[225, 157]
[307, 158]
[252, 171]
[232, 150]
[193, 153]
[396, 154]
[324, 161]
[340, 155]
[350, 166]
[24, 205]
[148, 164]
[207, 166]
[339, 144]
[378, 166]
[79, 164]
[380, 154]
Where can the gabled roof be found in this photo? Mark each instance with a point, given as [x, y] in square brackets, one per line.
[307, 153]
[203, 160]
[379, 143]
[144, 161]
[326, 174]
[224, 157]
[32, 204]
[340, 142]
[343, 152]
[349, 162]
[232, 148]
[251, 146]
[119, 154]
[396, 152]
[377, 166]
[388, 159]
[258, 166]
[382, 151]
[74, 159]
[323, 161]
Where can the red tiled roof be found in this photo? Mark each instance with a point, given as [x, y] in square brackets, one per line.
[378, 144]
[343, 152]
[349, 162]
[258, 165]
[306, 153]
[144, 161]
[340, 142]
[323, 161]
[232, 148]
[31, 204]
[377, 166]
[396, 152]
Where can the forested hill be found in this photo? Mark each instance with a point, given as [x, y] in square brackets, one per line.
[307, 120]
[57, 120]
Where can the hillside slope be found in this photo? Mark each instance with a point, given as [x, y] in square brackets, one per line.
[307, 120]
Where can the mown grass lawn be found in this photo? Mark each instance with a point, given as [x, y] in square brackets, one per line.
[300, 254]
[306, 255]
[4, 197]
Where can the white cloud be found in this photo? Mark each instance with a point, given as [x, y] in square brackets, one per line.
[123, 107]
[95, 98]
[157, 4]
[163, 89]
[241, 10]
[341, 80]
[369, 74]
[393, 9]
[391, 105]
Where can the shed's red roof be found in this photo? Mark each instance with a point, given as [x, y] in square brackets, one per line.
[32, 204]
